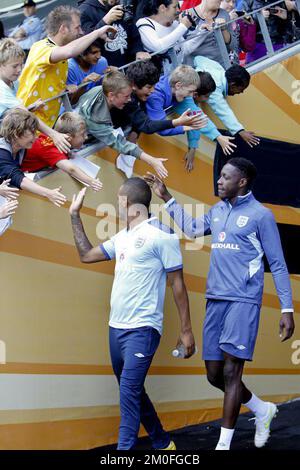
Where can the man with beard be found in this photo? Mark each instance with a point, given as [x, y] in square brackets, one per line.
[46, 69]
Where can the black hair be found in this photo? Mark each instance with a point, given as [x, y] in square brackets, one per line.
[143, 73]
[137, 191]
[96, 43]
[246, 168]
[150, 7]
[207, 84]
[238, 75]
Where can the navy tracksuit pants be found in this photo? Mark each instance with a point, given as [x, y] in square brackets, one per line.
[132, 351]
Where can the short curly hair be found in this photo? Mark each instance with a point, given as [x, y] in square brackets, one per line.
[143, 73]
[246, 168]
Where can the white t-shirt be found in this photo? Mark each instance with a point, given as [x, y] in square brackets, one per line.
[8, 97]
[144, 255]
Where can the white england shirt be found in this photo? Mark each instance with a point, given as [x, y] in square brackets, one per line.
[144, 255]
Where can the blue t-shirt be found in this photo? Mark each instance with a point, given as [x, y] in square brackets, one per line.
[76, 74]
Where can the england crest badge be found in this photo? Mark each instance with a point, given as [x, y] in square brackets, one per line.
[139, 242]
[242, 221]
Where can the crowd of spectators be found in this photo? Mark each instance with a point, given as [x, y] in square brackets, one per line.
[82, 50]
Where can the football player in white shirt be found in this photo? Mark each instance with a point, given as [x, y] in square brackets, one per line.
[146, 252]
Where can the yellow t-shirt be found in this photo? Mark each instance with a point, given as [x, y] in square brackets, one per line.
[41, 79]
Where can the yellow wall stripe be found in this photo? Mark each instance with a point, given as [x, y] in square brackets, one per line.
[90, 369]
[293, 66]
[277, 95]
[91, 433]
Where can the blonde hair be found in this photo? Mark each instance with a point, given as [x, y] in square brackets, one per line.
[10, 50]
[16, 122]
[70, 123]
[186, 75]
[115, 82]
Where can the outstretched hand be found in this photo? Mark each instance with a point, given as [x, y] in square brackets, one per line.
[192, 119]
[56, 197]
[61, 141]
[96, 184]
[8, 209]
[157, 186]
[189, 160]
[77, 202]
[158, 165]
[8, 191]
[228, 147]
[107, 33]
[250, 138]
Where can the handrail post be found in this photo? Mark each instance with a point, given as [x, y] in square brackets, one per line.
[222, 47]
[174, 58]
[265, 32]
[67, 103]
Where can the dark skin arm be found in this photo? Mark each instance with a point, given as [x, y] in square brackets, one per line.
[87, 253]
[186, 336]
[286, 323]
[157, 186]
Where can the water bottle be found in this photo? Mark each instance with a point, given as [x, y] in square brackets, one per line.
[181, 352]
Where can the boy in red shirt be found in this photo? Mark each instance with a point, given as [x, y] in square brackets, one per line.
[43, 154]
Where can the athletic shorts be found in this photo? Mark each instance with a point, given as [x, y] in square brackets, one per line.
[230, 327]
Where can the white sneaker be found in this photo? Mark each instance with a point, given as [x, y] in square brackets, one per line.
[262, 432]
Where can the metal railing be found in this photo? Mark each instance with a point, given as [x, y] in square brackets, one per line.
[217, 31]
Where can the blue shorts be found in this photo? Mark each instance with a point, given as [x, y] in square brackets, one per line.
[230, 327]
